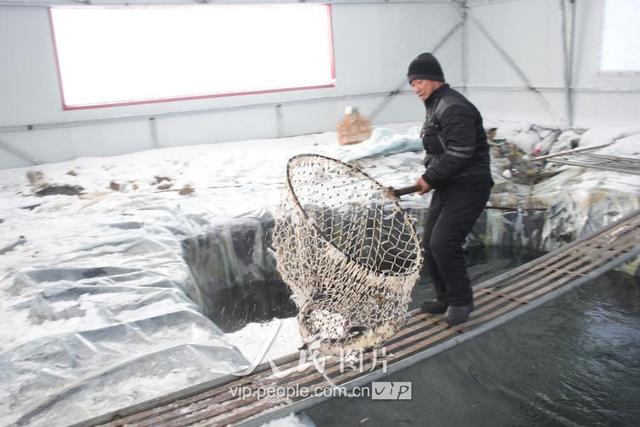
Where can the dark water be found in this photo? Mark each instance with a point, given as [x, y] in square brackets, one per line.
[234, 307]
[482, 264]
[574, 361]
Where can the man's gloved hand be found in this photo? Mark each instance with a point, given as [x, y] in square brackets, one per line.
[424, 186]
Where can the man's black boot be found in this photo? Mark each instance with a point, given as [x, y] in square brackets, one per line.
[458, 314]
[433, 307]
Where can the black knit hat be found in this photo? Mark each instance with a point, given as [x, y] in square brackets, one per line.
[425, 67]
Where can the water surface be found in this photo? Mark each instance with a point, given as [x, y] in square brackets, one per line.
[571, 362]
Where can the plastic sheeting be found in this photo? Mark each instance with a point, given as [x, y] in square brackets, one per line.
[102, 301]
[383, 142]
[106, 324]
[101, 304]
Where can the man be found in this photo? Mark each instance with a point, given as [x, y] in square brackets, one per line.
[457, 168]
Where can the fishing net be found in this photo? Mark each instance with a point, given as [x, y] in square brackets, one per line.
[348, 251]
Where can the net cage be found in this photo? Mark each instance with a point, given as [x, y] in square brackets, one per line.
[348, 251]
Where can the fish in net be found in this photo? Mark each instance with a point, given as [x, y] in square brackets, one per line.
[348, 251]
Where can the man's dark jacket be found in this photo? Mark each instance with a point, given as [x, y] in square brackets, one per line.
[455, 141]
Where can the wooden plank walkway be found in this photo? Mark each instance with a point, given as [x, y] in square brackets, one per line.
[497, 301]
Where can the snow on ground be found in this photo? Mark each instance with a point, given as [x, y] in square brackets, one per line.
[608, 134]
[259, 342]
[139, 191]
[96, 300]
[290, 420]
[539, 139]
[97, 283]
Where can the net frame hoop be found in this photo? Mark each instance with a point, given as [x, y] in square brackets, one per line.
[383, 188]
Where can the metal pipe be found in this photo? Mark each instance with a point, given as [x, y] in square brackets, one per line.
[634, 170]
[567, 51]
[514, 88]
[447, 36]
[514, 66]
[572, 38]
[478, 3]
[32, 160]
[565, 62]
[191, 2]
[134, 117]
[391, 94]
[464, 51]
[553, 89]
[279, 121]
[399, 192]
[575, 150]
[618, 159]
[153, 130]
[606, 89]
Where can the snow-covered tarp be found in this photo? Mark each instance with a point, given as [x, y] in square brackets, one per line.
[104, 290]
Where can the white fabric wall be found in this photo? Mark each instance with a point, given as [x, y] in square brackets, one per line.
[530, 32]
[373, 44]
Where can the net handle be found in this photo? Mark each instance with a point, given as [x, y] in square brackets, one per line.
[405, 190]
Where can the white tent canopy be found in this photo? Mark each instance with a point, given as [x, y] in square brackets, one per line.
[539, 61]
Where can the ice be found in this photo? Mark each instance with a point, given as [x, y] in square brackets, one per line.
[290, 420]
[100, 309]
[383, 141]
[282, 334]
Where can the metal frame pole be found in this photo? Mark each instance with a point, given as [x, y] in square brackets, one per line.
[33, 160]
[396, 91]
[514, 66]
[465, 47]
[45, 3]
[572, 41]
[567, 50]
[153, 132]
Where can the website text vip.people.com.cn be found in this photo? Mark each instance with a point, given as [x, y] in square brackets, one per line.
[381, 390]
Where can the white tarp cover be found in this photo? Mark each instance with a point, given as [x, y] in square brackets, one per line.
[98, 308]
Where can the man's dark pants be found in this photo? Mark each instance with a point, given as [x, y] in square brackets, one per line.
[453, 212]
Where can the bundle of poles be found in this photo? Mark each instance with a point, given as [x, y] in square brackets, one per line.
[416, 188]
